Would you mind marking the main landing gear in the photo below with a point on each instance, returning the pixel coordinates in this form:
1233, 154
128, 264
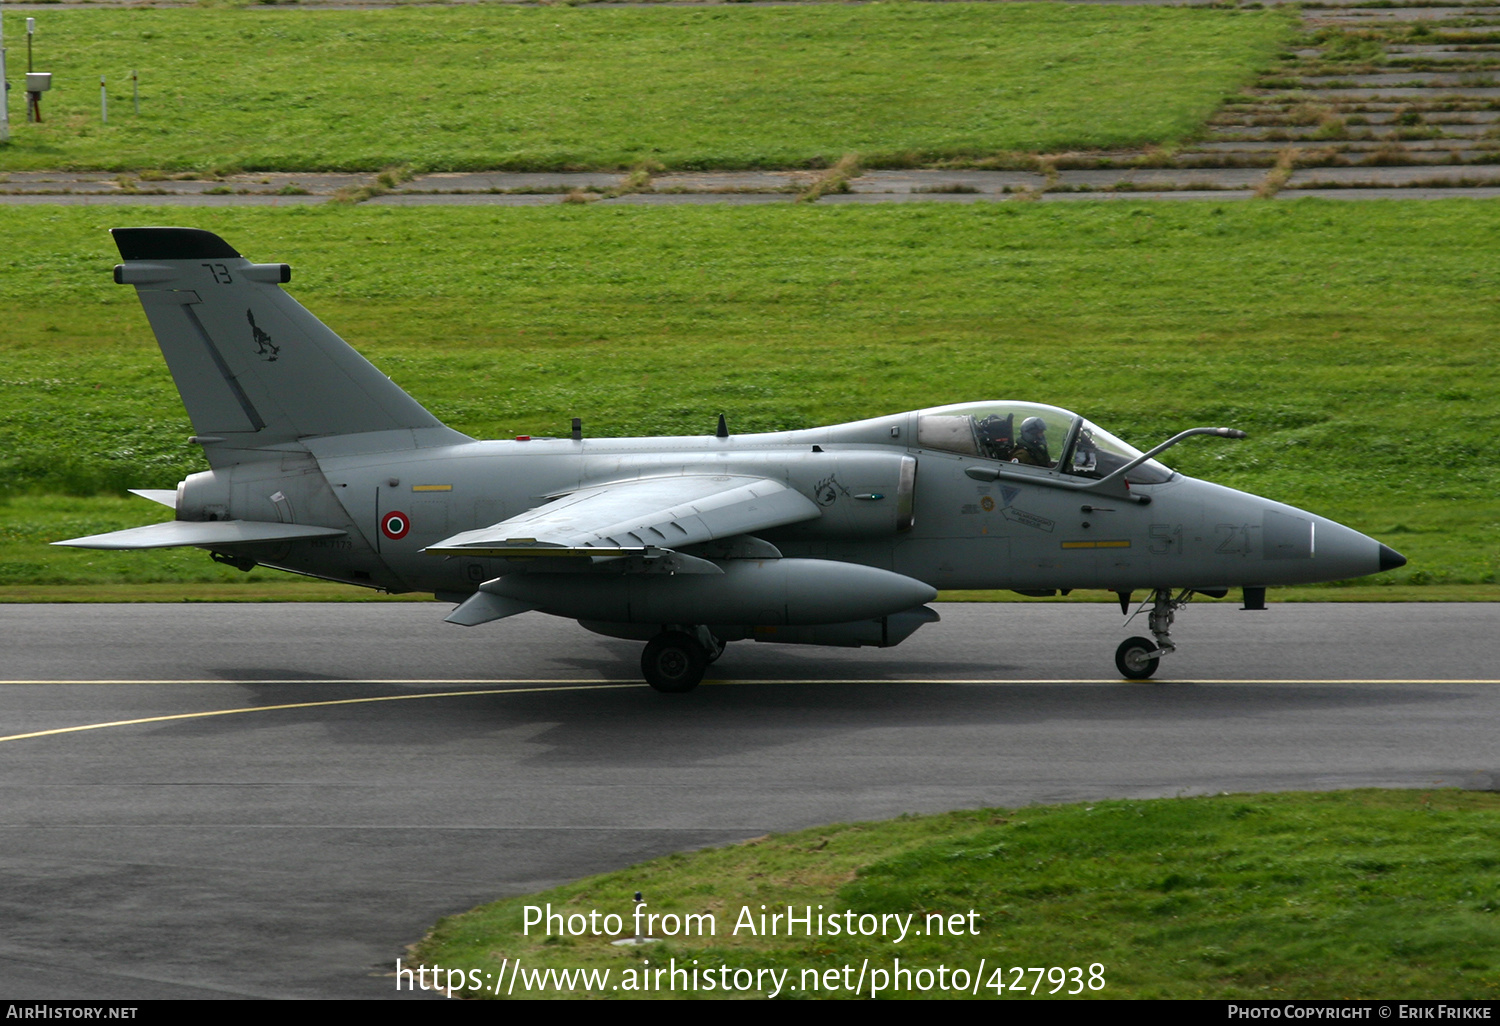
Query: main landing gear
676, 659
1137, 658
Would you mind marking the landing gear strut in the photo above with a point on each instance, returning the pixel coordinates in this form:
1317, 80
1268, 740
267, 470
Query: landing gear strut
675, 660
1137, 658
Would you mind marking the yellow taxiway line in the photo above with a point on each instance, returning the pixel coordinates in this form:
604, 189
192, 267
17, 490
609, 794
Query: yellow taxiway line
586, 682
291, 705
534, 686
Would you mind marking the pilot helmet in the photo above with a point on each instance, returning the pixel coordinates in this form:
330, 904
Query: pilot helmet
1033, 429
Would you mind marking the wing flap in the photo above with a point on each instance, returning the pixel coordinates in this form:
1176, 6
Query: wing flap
207, 532
632, 517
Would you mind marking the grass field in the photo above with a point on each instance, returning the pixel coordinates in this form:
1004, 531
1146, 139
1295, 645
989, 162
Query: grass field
1354, 342
522, 87
1362, 894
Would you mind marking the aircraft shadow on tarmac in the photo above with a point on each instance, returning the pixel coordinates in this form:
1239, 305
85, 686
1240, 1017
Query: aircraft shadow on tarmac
634, 725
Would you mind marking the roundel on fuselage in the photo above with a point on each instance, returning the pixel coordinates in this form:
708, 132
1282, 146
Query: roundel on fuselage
394, 525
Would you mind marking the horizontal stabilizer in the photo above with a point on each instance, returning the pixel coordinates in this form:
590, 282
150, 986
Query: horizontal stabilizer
165, 496
482, 607
215, 533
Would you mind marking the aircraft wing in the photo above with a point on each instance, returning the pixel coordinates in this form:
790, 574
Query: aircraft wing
630, 517
195, 532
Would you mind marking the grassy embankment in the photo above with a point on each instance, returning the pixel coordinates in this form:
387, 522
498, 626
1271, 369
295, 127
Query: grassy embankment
533, 88
1361, 894
1353, 342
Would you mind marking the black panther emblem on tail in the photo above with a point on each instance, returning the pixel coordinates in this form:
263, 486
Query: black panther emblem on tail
264, 346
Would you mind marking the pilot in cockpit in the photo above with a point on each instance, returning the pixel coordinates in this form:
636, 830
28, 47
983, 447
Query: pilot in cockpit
1031, 446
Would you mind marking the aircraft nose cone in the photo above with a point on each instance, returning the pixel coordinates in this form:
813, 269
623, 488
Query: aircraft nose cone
1390, 559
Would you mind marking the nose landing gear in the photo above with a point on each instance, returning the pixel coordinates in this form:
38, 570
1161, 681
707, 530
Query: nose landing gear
1137, 658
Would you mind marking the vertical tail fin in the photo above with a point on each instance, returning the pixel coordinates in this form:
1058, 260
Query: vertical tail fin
255, 369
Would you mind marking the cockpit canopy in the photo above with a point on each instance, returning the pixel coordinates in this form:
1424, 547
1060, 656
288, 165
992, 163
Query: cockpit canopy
1033, 435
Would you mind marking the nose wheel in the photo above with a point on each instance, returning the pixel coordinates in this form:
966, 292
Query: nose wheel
1135, 658
1138, 658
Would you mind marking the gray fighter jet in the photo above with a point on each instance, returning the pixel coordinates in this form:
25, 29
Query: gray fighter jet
829, 536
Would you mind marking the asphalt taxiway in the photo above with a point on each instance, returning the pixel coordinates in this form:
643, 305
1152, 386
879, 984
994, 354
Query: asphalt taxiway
272, 800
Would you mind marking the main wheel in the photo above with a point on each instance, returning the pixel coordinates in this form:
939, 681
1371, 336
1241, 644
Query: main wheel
674, 662
1132, 658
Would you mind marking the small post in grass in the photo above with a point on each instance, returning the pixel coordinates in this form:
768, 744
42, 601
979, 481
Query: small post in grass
31, 101
103, 102
4, 90
135, 90
37, 83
